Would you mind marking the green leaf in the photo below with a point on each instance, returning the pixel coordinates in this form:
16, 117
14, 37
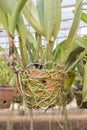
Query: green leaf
80, 56
40, 9
6, 74
31, 15
84, 91
32, 51
22, 29
8, 5
68, 81
84, 17
49, 18
58, 51
3, 18
73, 31
31, 39
73, 56
14, 16
31, 45
82, 41
57, 18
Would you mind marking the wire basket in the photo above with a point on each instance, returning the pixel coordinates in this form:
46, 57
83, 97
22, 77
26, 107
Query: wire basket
41, 88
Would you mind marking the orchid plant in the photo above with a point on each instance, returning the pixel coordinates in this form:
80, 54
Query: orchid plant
45, 18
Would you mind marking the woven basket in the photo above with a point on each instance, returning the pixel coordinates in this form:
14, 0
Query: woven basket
41, 88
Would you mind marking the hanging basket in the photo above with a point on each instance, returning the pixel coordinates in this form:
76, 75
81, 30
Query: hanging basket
6, 96
41, 88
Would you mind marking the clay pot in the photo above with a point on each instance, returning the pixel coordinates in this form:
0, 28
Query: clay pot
6, 96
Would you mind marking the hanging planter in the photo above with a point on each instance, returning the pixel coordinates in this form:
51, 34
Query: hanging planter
6, 96
42, 88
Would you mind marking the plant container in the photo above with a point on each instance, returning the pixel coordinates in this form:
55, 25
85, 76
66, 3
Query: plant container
6, 96
41, 88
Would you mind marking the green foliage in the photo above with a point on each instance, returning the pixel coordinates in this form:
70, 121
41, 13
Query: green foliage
7, 77
45, 18
82, 41
3, 18
84, 92
15, 15
21, 28
84, 17
69, 81
73, 31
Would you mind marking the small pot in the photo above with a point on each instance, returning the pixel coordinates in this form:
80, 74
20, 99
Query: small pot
6, 96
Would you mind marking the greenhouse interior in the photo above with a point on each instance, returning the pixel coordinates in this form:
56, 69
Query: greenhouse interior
43, 65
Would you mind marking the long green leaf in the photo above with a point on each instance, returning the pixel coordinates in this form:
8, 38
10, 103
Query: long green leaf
58, 51
82, 54
31, 39
84, 17
49, 17
31, 51
49, 12
31, 45
15, 15
73, 56
57, 18
40, 9
52, 20
72, 34
8, 5
3, 18
8, 8
21, 28
82, 41
22, 31
84, 92
31, 15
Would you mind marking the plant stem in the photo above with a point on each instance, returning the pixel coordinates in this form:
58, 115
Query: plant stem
24, 55
46, 56
11, 49
39, 45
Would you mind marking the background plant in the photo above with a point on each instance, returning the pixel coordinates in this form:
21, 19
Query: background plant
7, 77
